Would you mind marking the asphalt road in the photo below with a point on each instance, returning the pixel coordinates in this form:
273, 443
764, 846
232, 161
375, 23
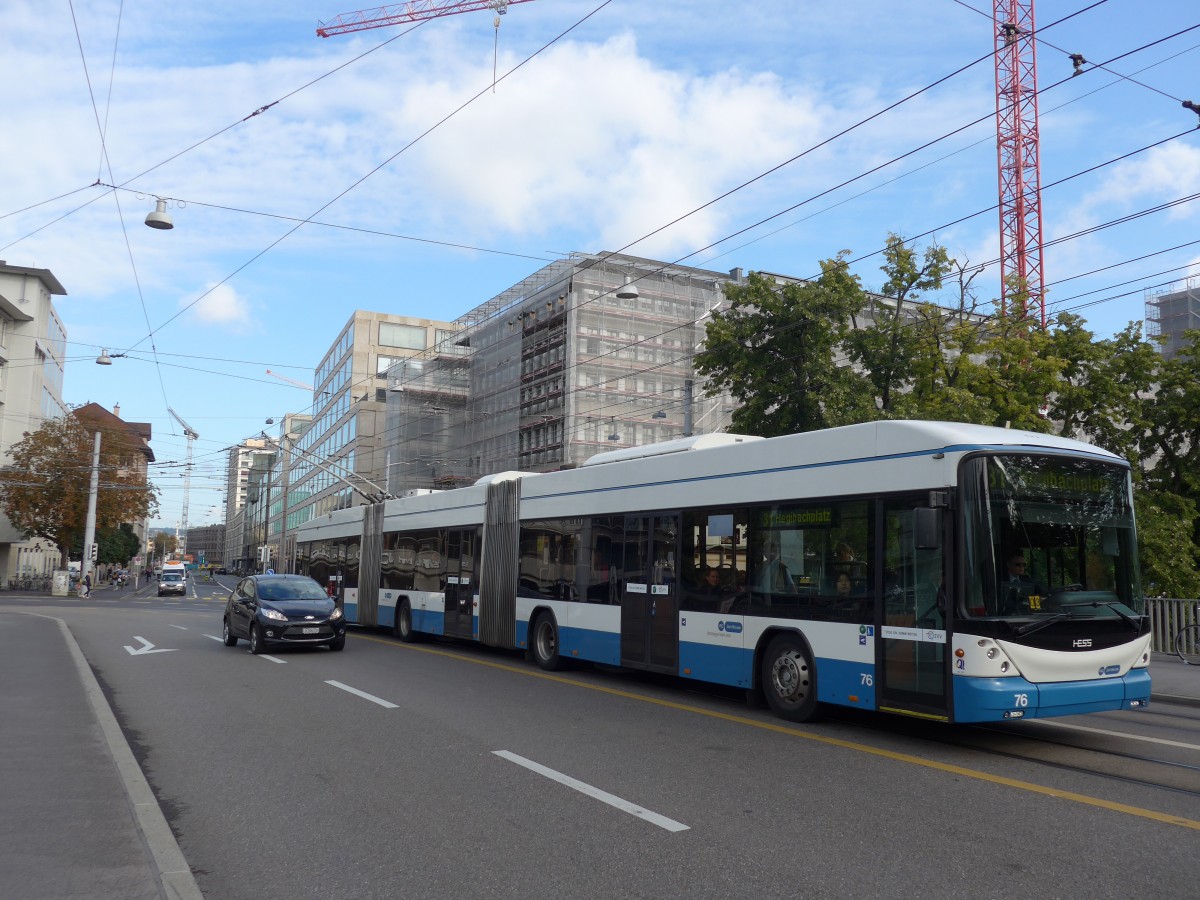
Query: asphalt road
445, 770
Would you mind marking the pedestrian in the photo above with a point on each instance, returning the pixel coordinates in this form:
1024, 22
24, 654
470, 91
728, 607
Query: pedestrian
87, 585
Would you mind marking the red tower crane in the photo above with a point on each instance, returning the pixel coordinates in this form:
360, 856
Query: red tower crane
413, 11
1020, 173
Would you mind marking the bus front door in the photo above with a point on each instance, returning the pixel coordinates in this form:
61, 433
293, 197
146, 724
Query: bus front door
911, 667
650, 593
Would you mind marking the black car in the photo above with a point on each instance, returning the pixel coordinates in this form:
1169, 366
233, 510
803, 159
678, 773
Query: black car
282, 609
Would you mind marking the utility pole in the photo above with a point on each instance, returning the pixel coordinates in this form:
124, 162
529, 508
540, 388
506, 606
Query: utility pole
89, 528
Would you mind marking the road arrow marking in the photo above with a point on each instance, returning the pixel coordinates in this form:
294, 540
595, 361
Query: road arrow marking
146, 648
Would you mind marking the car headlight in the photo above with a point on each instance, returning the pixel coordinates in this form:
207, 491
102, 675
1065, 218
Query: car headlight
273, 614
336, 614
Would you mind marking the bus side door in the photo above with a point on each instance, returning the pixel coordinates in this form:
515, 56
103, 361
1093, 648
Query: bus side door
650, 593
459, 582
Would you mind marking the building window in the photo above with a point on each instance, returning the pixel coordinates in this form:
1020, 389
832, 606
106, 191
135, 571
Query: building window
406, 337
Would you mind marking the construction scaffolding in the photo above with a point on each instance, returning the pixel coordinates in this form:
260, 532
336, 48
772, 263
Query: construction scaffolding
1172, 311
590, 353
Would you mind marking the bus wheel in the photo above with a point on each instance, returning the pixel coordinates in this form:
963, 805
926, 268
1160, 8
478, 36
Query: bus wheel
545, 643
789, 679
403, 629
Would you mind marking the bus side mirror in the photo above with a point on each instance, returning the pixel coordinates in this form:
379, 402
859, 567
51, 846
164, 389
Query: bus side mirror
927, 528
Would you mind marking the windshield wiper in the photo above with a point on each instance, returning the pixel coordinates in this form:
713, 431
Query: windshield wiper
1022, 630
1135, 624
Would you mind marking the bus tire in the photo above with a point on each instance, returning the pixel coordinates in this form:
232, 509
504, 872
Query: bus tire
403, 627
789, 678
545, 643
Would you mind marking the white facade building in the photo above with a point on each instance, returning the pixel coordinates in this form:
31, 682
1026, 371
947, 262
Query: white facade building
32, 347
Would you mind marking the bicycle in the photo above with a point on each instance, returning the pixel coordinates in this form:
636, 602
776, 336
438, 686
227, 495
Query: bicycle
1187, 641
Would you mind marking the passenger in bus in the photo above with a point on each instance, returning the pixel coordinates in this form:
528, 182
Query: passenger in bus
710, 581
772, 576
844, 586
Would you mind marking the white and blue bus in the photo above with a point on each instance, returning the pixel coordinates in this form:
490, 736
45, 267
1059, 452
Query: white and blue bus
951, 572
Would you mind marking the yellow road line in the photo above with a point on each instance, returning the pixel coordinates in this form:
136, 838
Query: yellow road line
780, 728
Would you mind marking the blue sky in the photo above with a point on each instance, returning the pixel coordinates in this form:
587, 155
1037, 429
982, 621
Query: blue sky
635, 116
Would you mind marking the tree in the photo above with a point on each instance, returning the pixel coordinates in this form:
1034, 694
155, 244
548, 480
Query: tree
114, 546
44, 492
775, 350
165, 543
887, 350
1170, 557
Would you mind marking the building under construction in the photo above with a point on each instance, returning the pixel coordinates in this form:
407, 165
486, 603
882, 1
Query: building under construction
1171, 312
592, 352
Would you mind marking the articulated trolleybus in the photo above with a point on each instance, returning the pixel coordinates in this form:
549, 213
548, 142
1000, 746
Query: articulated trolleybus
953, 572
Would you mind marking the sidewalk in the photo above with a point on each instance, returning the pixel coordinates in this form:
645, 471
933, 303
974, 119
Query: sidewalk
78, 818
1173, 681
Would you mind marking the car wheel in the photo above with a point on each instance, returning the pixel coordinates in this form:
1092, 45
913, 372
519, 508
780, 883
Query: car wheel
403, 628
789, 678
227, 635
338, 643
545, 643
256, 640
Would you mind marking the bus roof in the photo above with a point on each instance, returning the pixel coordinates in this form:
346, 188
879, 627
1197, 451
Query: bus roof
679, 445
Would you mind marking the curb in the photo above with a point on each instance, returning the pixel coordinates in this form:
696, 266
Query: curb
174, 874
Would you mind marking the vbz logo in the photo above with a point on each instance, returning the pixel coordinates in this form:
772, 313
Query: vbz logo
1081, 642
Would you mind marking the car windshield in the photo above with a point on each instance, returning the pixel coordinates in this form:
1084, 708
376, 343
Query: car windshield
1049, 537
172, 576
301, 589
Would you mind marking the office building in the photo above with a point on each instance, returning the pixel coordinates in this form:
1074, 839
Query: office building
593, 352
339, 456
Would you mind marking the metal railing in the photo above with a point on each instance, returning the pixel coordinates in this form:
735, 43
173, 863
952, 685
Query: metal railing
1167, 616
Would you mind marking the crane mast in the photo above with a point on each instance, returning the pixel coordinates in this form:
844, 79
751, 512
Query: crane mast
414, 11
1018, 156
187, 479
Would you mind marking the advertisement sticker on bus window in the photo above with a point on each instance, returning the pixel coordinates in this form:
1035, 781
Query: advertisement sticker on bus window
660, 589
635, 588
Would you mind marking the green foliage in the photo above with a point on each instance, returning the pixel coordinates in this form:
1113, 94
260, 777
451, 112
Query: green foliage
44, 492
1170, 555
115, 546
800, 357
774, 350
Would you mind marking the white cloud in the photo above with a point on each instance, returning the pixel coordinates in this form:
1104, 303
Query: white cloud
1159, 175
220, 305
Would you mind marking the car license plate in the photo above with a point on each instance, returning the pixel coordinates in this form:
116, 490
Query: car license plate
310, 630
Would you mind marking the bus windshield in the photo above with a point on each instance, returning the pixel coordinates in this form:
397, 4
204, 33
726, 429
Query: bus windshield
1048, 537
